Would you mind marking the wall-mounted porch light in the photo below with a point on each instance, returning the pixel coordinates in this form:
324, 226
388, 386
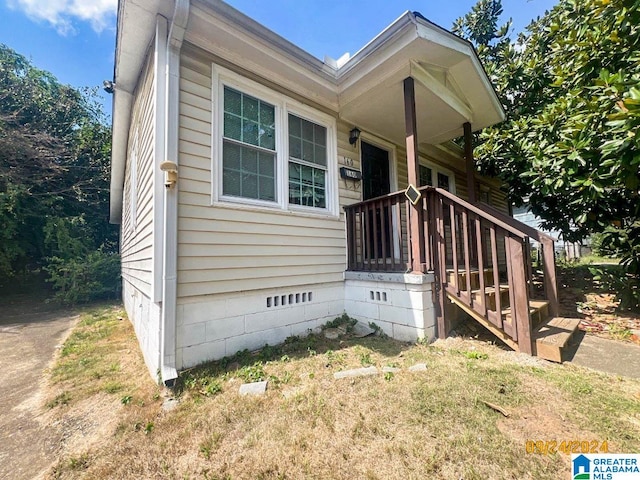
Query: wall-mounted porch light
354, 135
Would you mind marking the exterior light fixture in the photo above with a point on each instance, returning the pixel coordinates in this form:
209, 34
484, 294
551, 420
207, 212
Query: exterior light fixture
354, 135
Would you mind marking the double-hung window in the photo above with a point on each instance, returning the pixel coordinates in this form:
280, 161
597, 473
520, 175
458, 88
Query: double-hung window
269, 150
307, 163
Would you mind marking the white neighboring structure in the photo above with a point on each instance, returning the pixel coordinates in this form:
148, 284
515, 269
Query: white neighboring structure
248, 246
570, 250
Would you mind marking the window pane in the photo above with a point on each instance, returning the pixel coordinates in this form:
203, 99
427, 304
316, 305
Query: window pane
307, 185
425, 176
248, 173
266, 165
267, 189
232, 126
250, 108
307, 151
307, 130
443, 181
267, 118
250, 132
320, 135
267, 138
320, 156
231, 183
294, 172
232, 156
232, 101
294, 126
250, 186
249, 161
295, 147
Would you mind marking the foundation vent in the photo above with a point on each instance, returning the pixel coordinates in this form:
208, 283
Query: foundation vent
289, 299
376, 296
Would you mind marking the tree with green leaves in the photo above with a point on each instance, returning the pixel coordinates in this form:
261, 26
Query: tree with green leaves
54, 172
571, 88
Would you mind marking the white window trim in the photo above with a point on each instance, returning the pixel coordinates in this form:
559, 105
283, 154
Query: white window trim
435, 169
283, 105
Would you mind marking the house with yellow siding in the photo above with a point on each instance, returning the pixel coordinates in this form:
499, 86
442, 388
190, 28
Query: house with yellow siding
262, 192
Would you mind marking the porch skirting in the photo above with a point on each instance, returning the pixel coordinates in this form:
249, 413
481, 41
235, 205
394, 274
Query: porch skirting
400, 304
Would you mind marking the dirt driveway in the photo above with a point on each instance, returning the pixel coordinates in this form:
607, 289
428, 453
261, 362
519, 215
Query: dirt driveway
30, 331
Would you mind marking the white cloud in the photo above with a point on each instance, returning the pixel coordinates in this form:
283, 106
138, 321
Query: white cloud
61, 14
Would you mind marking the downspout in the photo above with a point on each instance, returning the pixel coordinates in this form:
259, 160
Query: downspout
170, 232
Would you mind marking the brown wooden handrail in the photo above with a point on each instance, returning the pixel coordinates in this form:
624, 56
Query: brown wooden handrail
477, 210
528, 229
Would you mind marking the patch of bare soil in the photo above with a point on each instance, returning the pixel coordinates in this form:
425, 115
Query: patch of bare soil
583, 297
85, 424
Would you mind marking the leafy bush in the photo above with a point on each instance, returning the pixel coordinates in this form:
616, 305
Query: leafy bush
78, 280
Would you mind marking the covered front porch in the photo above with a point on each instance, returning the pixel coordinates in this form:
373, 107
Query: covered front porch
422, 253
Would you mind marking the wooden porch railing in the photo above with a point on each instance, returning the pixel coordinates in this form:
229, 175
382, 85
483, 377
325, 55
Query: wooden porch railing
476, 253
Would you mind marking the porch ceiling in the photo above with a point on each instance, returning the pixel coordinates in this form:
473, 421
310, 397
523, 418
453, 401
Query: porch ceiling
450, 87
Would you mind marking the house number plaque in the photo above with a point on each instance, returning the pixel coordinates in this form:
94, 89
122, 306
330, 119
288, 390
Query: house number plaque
350, 174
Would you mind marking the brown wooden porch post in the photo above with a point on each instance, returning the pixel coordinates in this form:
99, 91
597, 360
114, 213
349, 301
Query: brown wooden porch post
415, 232
468, 156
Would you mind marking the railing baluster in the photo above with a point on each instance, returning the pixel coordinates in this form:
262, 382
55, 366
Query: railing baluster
349, 218
440, 247
480, 257
428, 260
384, 209
520, 305
550, 282
496, 272
467, 264
454, 247
399, 232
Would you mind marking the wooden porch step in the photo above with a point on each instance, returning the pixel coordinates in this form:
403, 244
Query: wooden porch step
553, 336
476, 295
538, 309
474, 275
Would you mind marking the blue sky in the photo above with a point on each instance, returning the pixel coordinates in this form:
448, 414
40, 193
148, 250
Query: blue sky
74, 39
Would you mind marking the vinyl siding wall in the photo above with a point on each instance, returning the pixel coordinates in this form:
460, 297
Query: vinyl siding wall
136, 242
223, 249
234, 260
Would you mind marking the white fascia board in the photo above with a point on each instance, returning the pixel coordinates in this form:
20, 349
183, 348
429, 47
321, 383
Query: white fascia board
441, 36
260, 32
122, 104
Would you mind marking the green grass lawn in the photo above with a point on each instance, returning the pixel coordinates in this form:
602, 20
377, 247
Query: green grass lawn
432, 424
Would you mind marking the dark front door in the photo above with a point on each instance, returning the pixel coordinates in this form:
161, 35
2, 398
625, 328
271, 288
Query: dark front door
375, 171
375, 183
